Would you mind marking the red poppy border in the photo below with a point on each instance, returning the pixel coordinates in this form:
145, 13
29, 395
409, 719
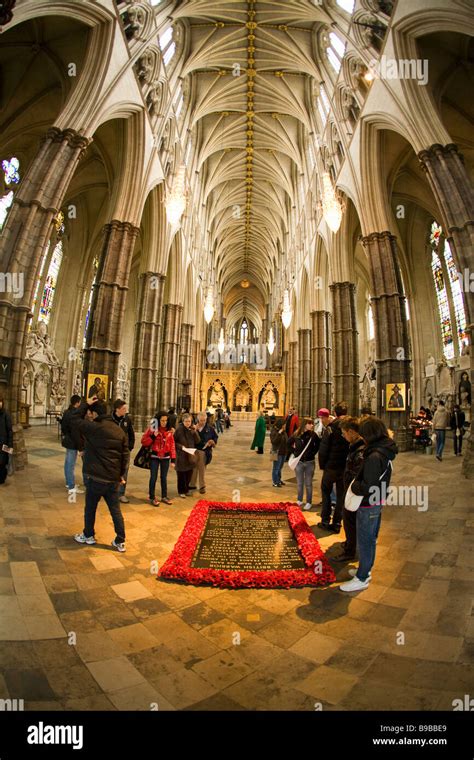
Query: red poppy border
178, 565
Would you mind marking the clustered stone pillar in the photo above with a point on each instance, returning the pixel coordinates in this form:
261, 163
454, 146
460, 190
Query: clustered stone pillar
26, 233
320, 360
185, 360
452, 188
304, 372
391, 331
146, 349
284, 367
170, 354
196, 375
104, 336
345, 345
292, 396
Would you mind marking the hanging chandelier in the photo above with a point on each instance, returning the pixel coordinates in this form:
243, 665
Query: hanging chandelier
221, 343
271, 342
176, 198
286, 314
332, 207
209, 306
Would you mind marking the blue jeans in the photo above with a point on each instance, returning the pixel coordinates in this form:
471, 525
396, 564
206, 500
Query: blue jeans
69, 464
163, 465
368, 526
94, 492
440, 439
304, 477
277, 468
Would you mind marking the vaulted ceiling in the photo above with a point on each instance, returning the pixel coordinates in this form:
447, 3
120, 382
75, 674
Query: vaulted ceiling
250, 70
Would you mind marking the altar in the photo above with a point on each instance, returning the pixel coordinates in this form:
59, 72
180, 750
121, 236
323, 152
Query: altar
244, 391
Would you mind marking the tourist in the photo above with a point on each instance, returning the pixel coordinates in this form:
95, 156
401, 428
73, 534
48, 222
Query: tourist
305, 442
291, 421
6, 439
260, 432
121, 417
208, 439
441, 421
332, 460
219, 419
163, 456
185, 436
458, 418
106, 459
72, 442
354, 461
279, 441
322, 420
172, 419
371, 483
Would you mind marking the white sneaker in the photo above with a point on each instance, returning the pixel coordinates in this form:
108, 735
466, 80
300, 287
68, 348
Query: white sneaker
82, 539
119, 547
76, 489
307, 506
300, 503
353, 570
354, 585
124, 500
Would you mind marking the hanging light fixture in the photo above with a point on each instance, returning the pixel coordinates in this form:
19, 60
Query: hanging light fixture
221, 343
271, 342
176, 197
286, 314
209, 306
332, 208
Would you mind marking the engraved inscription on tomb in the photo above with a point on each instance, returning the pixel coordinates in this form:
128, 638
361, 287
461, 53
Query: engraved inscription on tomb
241, 540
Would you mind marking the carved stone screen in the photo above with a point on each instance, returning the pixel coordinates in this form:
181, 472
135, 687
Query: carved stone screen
243, 540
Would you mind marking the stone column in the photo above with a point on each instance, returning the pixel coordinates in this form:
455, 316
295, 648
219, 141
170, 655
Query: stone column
345, 345
146, 349
452, 188
292, 377
196, 375
26, 233
304, 372
170, 354
185, 361
284, 369
392, 345
320, 360
104, 336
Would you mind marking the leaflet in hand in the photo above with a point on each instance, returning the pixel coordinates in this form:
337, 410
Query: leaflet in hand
189, 451
7, 449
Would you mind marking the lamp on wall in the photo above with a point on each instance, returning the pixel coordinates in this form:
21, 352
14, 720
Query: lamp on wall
271, 342
286, 314
209, 306
332, 207
176, 198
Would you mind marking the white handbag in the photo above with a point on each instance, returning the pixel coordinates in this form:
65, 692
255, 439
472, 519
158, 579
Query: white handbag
352, 502
293, 461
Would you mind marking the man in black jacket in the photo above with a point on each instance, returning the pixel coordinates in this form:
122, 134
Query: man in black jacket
106, 459
332, 460
6, 439
354, 462
208, 438
72, 441
122, 418
458, 418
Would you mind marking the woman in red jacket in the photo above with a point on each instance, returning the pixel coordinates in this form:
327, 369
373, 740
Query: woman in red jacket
163, 453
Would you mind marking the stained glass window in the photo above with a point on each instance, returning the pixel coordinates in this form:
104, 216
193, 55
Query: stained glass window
50, 285
89, 305
371, 325
347, 5
443, 306
335, 51
40, 274
456, 292
11, 172
323, 105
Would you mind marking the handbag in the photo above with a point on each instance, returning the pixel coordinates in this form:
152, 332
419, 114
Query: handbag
352, 501
273, 456
293, 461
143, 458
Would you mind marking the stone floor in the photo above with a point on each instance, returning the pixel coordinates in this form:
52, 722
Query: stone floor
86, 628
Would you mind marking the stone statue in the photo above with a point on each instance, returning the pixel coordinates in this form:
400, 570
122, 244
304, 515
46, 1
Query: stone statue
464, 390
39, 347
430, 366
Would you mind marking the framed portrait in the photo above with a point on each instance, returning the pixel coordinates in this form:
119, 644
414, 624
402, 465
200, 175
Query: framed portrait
395, 397
97, 385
